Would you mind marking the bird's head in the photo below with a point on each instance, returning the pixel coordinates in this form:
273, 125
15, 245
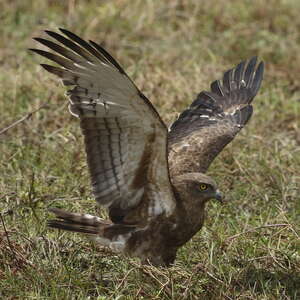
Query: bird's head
197, 187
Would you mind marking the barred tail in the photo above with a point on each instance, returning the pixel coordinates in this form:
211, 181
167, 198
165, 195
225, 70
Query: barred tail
76, 222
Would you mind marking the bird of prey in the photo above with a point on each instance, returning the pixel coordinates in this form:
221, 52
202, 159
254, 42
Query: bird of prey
150, 179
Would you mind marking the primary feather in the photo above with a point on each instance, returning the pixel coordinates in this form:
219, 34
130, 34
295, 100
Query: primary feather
214, 118
121, 129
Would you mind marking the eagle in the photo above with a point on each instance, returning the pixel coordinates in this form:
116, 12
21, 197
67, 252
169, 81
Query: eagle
151, 179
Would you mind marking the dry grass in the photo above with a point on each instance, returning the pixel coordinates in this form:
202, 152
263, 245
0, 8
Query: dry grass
172, 50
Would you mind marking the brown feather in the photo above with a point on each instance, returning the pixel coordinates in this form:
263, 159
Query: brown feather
213, 119
152, 211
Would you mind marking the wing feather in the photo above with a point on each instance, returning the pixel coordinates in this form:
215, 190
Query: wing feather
213, 119
125, 139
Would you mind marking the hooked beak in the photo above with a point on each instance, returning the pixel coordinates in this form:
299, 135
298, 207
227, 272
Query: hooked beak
218, 196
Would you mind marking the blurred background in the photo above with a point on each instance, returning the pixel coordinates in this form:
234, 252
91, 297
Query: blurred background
172, 50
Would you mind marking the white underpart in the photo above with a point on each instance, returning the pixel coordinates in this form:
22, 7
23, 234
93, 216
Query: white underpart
117, 244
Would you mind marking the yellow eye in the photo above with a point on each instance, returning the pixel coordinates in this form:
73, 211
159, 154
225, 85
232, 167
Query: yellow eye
203, 186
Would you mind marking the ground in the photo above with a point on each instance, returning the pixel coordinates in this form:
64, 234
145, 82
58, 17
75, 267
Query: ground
249, 248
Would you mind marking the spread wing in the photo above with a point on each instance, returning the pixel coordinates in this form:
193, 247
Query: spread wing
213, 119
125, 139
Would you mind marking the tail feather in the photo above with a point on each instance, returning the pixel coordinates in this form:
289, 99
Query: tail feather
85, 223
76, 222
69, 226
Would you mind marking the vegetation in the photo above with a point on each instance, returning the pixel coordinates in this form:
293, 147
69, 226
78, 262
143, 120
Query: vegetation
249, 248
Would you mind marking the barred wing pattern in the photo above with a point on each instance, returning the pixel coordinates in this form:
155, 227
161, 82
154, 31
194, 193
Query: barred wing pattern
125, 138
213, 119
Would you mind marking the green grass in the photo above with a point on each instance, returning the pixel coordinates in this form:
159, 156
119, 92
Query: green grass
172, 50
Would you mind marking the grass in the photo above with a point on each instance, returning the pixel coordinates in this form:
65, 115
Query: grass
249, 248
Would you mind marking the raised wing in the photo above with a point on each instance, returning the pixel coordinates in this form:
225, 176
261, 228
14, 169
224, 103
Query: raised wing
125, 139
213, 119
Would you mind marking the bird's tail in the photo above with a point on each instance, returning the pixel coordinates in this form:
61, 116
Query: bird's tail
101, 231
76, 222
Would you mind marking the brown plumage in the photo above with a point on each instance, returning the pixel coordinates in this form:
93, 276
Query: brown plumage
150, 179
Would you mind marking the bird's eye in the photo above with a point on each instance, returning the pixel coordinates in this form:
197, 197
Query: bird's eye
203, 187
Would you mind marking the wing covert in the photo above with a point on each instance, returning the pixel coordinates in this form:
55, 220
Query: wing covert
213, 119
125, 139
